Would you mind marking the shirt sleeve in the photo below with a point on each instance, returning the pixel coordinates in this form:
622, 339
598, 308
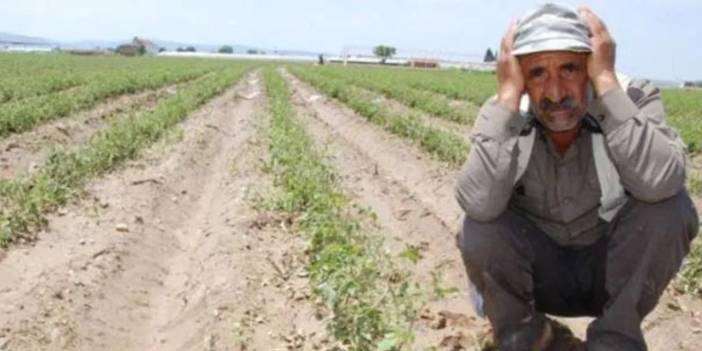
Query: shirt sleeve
484, 184
649, 155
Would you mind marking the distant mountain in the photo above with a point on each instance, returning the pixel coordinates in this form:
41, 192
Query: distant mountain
90, 44
174, 45
110, 44
18, 38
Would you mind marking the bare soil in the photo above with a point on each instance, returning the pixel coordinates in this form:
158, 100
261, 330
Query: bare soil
168, 253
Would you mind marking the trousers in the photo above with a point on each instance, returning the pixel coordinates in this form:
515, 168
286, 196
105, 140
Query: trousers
522, 274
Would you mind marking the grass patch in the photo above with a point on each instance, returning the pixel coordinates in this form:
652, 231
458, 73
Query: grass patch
694, 182
371, 303
689, 278
684, 108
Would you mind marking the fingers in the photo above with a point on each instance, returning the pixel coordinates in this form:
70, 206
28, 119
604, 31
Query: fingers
597, 27
508, 39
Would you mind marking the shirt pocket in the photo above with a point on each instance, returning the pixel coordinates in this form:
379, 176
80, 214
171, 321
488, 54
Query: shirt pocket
530, 196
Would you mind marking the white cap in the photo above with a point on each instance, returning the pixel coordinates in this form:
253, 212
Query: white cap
551, 27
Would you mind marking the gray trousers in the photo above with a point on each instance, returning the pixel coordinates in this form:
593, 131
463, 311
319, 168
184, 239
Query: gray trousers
522, 274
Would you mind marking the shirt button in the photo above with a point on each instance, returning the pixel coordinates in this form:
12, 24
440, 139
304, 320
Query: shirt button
601, 117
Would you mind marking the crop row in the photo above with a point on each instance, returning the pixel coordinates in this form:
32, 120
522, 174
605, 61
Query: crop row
430, 102
24, 75
25, 201
475, 87
370, 302
22, 115
17, 89
444, 145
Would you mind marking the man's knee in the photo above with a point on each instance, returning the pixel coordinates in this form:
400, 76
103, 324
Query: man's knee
651, 239
483, 244
480, 240
671, 220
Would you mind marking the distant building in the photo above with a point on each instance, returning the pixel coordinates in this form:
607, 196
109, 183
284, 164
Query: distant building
368, 60
423, 63
137, 47
692, 84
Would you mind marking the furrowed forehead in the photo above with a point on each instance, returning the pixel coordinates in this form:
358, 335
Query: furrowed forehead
551, 58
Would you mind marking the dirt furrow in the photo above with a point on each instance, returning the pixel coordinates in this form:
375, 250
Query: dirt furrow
429, 181
445, 320
169, 254
428, 184
25, 152
435, 122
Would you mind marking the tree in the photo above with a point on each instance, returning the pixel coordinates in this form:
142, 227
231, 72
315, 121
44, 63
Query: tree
226, 49
190, 49
252, 51
384, 52
489, 56
161, 49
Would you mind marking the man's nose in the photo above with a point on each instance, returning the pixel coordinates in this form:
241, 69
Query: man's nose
554, 90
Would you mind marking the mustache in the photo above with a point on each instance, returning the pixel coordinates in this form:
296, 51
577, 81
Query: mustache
567, 103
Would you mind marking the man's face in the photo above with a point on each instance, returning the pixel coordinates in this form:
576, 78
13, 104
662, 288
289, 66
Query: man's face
557, 86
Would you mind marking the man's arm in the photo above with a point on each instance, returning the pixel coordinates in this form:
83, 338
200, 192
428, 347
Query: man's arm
648, 154
485, 182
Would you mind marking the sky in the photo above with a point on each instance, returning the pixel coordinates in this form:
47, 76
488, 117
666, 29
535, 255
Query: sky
655, 39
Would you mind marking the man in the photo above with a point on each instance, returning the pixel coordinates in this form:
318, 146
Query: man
574, 197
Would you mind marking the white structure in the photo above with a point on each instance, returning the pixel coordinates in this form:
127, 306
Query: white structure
264, 57
16, 47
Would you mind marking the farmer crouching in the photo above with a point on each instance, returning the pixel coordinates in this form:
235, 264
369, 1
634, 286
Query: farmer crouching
573, 191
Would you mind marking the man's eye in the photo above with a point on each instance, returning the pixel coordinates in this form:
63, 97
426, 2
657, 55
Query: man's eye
536, 73
569, 70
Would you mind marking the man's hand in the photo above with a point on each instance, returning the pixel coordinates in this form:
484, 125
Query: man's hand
509, 73
600, 63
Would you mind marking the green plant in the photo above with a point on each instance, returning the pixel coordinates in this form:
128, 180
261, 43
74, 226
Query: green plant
694, 183
689, 278
371, 303
438, 288
411, 253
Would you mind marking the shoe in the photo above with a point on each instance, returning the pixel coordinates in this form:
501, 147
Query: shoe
563, 338
534, 335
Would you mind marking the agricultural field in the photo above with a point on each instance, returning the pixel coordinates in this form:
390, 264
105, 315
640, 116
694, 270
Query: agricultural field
187, 204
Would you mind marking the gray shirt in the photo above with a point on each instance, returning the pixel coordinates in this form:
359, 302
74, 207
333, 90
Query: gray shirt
561, 194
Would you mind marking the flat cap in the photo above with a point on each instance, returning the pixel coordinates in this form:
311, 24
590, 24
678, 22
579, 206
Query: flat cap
551, 27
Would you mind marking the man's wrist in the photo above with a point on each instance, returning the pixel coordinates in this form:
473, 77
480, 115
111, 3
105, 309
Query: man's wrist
509, 99
605, 82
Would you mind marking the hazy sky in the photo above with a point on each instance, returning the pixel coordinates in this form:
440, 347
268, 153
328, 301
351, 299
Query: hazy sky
656, 39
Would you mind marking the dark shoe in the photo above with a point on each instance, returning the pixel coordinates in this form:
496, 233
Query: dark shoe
535, 335
563, 339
